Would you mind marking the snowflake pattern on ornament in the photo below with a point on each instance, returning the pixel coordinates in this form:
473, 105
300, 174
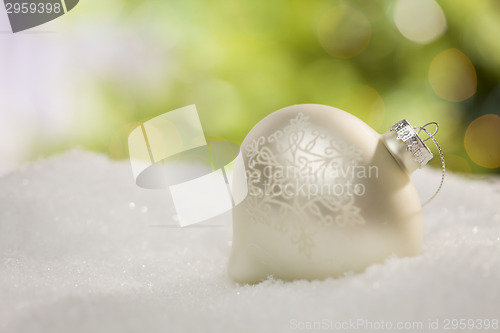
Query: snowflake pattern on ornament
315, 161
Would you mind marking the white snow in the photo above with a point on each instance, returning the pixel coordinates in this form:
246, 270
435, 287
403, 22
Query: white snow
83, 249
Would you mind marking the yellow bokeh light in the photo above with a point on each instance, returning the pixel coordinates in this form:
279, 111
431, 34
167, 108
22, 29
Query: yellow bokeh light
344, 32
482, 141
421, 21
452, 76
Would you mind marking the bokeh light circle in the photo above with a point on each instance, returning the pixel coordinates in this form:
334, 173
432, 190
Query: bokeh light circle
344, 32
482, 141
452, 76
421, 21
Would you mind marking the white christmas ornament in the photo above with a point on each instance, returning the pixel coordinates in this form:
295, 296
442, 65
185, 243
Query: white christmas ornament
326, 195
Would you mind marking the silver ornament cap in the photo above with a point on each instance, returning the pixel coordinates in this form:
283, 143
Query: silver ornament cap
406, 146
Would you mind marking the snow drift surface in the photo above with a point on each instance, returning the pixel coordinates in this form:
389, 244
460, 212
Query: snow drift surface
83, 249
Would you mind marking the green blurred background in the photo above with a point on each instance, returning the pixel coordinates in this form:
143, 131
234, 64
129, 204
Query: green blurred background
238, 61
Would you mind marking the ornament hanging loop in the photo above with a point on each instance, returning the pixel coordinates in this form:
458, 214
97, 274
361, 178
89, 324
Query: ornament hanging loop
420, 128
443, 167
